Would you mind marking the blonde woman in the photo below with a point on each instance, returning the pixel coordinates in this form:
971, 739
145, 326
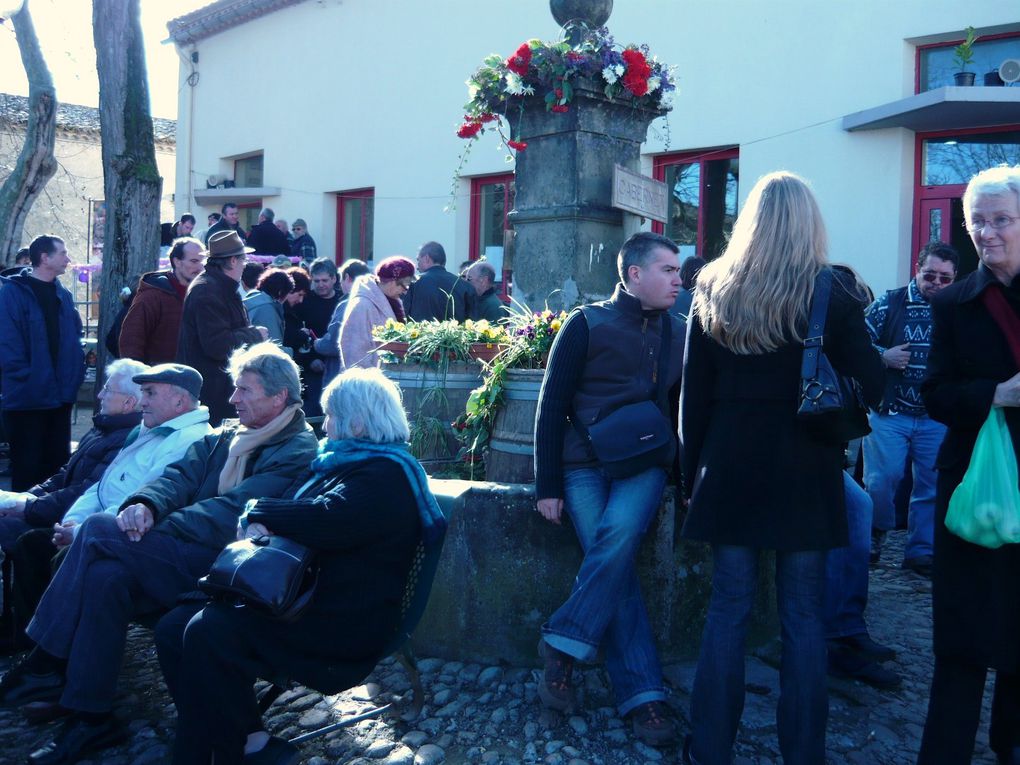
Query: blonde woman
757, 479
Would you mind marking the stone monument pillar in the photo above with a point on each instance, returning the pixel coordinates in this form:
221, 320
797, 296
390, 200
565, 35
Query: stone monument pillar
567, 233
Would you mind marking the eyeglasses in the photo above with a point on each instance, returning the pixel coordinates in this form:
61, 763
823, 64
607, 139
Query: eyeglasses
999, 221
931, 277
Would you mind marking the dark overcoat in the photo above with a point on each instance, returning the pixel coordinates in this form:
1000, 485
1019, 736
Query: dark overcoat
213, 325
756, 475
438, 295
975, 591
365, 548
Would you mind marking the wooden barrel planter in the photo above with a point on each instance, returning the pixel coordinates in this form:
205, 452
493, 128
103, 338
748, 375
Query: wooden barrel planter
511, 457
429, 393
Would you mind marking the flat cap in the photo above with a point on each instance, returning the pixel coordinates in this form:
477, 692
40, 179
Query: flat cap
173, 374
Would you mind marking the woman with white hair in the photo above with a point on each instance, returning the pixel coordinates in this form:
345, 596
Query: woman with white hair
758, 476
363, 509
972, 369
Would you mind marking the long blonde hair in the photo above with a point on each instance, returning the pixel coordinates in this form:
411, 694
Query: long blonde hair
756, 296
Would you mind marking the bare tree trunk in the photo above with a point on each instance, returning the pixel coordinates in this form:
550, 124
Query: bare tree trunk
131, 178
36, 164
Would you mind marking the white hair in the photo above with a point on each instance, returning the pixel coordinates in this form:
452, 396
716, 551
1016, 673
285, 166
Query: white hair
274, 368
364, 403
994, 181
123, 370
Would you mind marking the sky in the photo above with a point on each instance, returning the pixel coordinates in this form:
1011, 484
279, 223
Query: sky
64, 28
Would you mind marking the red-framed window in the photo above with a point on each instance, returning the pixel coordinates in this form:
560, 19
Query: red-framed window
492, 198
935, 68
355, 217
944, 163
703, 191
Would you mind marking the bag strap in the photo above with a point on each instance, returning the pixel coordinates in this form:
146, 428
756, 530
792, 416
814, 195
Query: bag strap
665, 348
1005, 317
816, 324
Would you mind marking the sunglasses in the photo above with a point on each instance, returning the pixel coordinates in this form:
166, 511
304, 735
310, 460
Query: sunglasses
931, 278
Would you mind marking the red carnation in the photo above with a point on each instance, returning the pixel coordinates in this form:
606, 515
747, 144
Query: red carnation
519, 62
635, 79
517, 145
487, 117
560, 108
469, 129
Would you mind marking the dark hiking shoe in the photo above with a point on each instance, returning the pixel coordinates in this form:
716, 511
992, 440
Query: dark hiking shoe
866, 647
556, 688
20, 686
877, 540
653, 724
77, 738
847, 663
921, 565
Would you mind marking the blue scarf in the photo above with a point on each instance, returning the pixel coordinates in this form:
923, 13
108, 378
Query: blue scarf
334, 454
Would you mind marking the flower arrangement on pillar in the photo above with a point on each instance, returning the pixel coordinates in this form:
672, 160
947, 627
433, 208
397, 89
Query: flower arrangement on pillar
549, 72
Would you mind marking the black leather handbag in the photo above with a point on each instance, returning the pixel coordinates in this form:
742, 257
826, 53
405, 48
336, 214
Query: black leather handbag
831, 404
636, 436
270, 574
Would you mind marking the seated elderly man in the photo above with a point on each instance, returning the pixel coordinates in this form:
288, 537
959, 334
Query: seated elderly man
45, 504
172, 420
165, 537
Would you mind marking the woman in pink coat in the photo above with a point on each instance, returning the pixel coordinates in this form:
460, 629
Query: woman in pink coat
374, 299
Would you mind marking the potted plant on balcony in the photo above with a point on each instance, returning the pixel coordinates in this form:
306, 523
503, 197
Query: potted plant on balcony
963, 56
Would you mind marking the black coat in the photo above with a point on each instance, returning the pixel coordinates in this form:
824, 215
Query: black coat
214, 324
757, 477
437, 294
95, 451
363, 521
267, 239
975, 591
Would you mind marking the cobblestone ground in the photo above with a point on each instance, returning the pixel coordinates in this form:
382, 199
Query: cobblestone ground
490, 715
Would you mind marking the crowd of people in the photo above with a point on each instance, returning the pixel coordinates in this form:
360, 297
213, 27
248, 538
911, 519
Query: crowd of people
202, 437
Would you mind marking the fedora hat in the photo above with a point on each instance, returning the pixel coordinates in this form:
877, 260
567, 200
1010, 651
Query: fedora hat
227, 244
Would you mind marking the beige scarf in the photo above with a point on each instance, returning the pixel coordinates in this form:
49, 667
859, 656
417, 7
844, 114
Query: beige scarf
247, 440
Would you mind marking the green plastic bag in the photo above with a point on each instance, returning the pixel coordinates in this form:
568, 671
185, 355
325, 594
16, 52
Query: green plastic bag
985, 508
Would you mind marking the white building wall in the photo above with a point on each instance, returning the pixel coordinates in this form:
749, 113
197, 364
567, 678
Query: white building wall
346, 94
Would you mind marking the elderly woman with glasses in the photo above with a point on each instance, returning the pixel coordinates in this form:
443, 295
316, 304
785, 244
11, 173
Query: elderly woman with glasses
972, 368
374, 299
364, 547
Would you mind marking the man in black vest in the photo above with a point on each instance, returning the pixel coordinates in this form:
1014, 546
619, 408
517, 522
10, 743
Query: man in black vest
607, 355
900, 326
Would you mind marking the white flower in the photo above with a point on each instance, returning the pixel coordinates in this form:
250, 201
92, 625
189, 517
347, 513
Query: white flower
609, 75
653, 83
515, 85
666, 99
619, 70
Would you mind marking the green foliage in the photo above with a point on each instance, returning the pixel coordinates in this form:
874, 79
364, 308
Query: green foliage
963, 54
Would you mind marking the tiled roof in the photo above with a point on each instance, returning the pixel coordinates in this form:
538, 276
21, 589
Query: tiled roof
220, 16
77, 119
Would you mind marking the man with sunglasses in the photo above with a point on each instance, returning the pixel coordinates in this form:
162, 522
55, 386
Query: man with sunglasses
900, 324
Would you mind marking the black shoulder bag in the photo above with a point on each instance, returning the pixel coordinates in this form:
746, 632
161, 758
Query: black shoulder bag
831, 404
636, 436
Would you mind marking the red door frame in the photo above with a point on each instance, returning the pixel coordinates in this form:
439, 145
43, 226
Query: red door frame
926, 197
661, 161
342, 196
249, 206
475, 215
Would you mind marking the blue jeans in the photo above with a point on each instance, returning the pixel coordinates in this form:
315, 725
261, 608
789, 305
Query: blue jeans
605, 606
104, 581
846, 569
717, 700
894, 438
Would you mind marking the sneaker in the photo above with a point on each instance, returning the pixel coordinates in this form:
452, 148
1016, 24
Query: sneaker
653, 724
921, 565
20, 686
847, 663
556, 690
866, 647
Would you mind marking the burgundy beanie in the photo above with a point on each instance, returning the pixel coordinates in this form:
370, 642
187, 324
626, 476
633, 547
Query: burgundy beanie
394, 268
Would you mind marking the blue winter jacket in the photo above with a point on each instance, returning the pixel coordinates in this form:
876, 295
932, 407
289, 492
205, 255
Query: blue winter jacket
29, 380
